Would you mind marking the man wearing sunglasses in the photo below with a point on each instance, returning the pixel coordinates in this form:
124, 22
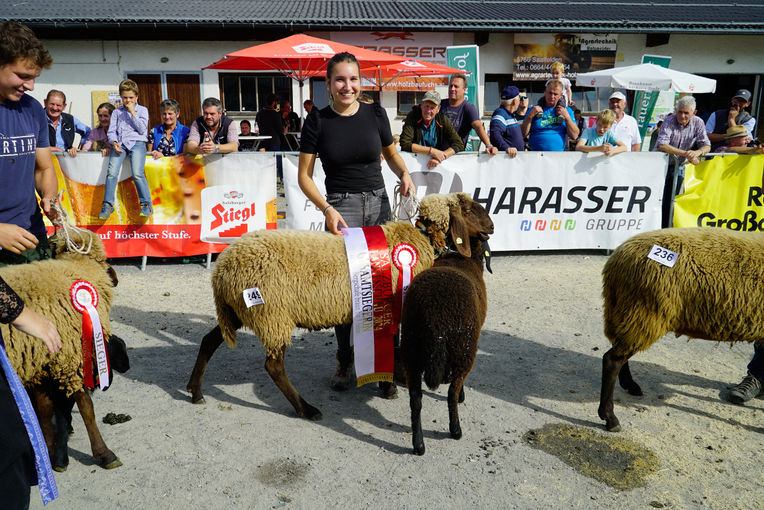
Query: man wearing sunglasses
523, 108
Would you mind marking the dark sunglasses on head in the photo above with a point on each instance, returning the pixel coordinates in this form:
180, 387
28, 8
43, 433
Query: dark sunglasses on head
523, 97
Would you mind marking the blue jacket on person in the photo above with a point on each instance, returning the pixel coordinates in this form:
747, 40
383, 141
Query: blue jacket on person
179, 136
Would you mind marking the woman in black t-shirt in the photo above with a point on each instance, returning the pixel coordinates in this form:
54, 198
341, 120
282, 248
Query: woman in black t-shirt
349, 137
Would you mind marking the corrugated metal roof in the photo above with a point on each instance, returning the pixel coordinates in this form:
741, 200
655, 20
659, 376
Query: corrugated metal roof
697, 16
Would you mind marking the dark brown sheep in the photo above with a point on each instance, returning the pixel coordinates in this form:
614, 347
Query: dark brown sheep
443, 313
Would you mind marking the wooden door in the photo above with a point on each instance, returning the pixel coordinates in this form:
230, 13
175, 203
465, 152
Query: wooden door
149, 94
185, 89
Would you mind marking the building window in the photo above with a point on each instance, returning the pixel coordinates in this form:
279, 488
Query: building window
406, 100
493, 85
248, 92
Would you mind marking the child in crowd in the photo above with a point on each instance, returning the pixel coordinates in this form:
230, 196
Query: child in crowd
98, 139
600, 138
127, 136
558, 73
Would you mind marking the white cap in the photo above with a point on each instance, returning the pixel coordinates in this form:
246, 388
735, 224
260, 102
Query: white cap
617, 95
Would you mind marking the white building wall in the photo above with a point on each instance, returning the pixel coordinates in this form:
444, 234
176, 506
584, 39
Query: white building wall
83, 66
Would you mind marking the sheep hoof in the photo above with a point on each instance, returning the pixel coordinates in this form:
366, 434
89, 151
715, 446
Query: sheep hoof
311, 413
613, 425
419, 449
113, 464
389, 390
59, 469
635, 390
456, 432
198, 399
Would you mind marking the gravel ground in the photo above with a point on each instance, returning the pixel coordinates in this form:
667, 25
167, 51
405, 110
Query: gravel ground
532, 438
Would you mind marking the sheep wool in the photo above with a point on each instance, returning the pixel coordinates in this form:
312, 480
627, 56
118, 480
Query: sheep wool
44, 287
715, 290
303, 278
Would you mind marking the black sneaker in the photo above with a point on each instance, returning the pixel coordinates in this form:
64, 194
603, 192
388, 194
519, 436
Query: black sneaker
749, 388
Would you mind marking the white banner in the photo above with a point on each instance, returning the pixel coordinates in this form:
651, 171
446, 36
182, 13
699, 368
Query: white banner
239, 187
538, 200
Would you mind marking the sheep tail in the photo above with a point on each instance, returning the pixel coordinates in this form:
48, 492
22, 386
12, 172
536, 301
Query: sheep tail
435, 362
228, 322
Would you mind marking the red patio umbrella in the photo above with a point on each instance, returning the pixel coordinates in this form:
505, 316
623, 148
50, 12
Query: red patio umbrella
299, 56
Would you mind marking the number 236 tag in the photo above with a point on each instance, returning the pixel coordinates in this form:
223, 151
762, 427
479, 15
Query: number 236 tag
663, 256
253, 297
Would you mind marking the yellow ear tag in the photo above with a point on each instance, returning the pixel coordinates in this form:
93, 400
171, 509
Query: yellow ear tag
458, 240
487, 254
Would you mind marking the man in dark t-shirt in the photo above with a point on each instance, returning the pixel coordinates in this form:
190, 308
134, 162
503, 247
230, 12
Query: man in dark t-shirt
25, 161
269, 124
463, 114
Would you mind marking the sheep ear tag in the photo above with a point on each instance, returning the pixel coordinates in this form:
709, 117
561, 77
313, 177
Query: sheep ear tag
405, 258
85, 299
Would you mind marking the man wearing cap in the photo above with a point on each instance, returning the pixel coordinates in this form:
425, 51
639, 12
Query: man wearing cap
506, 128
548, 127
735, 115
463, 114
625, 126
427, 131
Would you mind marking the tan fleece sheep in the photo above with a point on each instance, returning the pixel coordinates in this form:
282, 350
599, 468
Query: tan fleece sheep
714, 291
44, 286
304, 280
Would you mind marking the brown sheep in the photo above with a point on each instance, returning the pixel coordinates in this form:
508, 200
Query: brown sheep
443, 313
714, 291
44, 286
304, 280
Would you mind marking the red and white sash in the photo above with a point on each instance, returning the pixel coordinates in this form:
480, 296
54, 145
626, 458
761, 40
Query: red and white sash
85, 299
371, 290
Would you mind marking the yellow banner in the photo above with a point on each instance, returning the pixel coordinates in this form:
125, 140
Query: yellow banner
725, 192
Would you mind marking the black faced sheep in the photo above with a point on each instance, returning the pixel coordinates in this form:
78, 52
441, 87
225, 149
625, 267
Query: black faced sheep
304, 280
45, 286
713, 291
443, 313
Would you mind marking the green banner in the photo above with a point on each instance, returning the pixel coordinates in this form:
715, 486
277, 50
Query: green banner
644, 101
465, 58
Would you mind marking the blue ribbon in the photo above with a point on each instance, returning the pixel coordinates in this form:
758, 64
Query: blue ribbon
45, 480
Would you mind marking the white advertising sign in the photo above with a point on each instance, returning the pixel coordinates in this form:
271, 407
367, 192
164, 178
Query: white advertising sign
234, 201
538, 200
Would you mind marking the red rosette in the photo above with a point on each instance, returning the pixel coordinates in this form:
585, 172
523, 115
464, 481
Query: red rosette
83, 294
405, 258
405, 254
